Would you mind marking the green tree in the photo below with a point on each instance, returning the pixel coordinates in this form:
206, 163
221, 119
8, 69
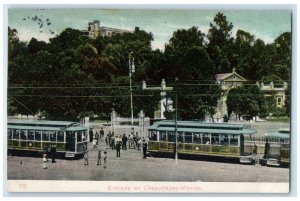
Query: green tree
220, 45
247, 101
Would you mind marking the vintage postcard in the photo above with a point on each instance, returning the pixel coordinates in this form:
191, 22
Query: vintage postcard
148, 100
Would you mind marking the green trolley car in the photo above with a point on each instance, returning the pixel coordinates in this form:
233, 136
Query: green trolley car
69, 138
277, 148
198, 138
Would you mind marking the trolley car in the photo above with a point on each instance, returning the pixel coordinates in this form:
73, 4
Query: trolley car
198, 138
69, 138
277, 148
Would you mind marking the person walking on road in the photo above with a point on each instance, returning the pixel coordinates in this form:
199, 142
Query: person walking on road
145, 145
101, 133
124, 140
44, 161
112, 141
99, 158
105, 159
53, 153
118, 148
91, 133
86, 158
97, 136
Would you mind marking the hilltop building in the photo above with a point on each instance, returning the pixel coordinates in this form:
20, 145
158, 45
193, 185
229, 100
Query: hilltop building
95, 30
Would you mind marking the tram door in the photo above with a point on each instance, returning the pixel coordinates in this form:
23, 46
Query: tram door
70, 140
242, 151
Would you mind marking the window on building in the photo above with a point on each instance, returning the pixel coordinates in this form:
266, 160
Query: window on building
234, 140
206, 139
171, 136
30, 135
180, 137
279, 101
215, 139
45, 135
79, 136
24, 134
197, 138
188, 138
152, 135
60, 136
38, 135
16, 134
163, 136
224, 140
52, 136
9, 134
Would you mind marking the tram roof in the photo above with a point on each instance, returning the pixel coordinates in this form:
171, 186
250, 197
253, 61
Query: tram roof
45, 128
281, 133
40, 122
201, 127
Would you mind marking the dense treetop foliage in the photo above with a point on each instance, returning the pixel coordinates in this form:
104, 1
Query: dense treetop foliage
73, 75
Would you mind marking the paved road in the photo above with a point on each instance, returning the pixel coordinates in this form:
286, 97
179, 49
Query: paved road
132, 167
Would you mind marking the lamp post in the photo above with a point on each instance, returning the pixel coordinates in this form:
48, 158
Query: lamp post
176, 137
131, 70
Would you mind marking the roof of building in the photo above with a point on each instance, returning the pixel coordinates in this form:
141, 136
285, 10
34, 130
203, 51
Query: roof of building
114, 29
41, 123
223, 76
283, 133
201, 127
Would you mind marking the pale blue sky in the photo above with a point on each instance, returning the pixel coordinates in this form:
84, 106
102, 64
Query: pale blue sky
264, 24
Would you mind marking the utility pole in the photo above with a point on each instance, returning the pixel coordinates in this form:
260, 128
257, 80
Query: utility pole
131, 71
176, 137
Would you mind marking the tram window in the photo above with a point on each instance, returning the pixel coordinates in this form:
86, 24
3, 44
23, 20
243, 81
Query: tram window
215, 139
152, 135
197, 138
180, 137
224, 140
16, 134
234, 140
9, 134
206, 139
52, 136
30, 135
45, 135
84, 136
171, 137
162, 136
188, 138
60, 136
79, 136
38, 135
24, 134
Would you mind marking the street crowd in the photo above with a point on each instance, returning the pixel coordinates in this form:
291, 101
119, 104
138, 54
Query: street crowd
112, 142
115, 142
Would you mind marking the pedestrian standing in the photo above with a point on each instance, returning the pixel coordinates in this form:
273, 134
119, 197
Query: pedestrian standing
124, 140
99, 158
112, 141
118, 148
46, 150
106, 140
44, 161
105, 159
53, 153
91, 133
145, 148
94, 143
97, 136
86, 158
109, 138
101, 132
